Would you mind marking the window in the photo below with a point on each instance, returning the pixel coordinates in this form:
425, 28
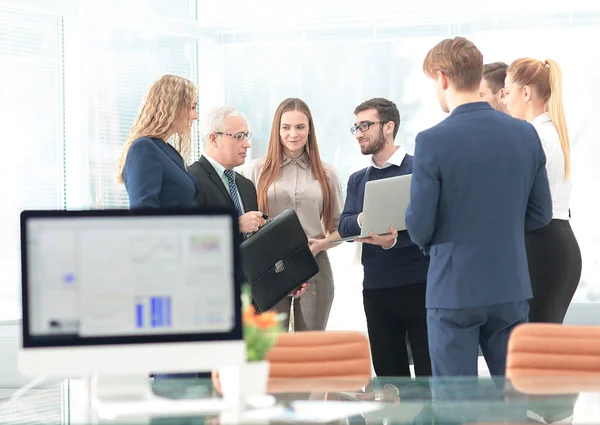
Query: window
363, 68
338, 60
73, 75
72, 81
122, 66
31, 112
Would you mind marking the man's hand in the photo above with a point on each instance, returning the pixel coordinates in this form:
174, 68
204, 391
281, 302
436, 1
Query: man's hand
251, 221
298, 292
388, 394
385, 241
315, 245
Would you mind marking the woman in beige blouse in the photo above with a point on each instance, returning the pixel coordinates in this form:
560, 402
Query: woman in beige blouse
293, 176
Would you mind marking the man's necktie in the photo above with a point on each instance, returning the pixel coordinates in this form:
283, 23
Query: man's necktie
233, 191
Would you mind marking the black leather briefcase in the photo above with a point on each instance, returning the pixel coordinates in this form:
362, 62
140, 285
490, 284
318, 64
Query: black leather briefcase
277, 260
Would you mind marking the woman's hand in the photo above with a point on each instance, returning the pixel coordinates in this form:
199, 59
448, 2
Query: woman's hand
315, 245
298, 292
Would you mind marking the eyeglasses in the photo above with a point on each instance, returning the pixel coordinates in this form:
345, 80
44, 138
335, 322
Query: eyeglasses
364, 126
237, 136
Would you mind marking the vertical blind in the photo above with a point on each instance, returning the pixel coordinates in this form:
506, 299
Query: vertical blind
124, 63
31, 168
37, 407
119, 64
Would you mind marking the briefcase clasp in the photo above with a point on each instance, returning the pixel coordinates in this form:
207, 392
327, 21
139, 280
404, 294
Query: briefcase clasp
279, 266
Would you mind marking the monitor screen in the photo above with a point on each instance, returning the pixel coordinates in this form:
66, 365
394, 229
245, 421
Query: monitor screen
118, 277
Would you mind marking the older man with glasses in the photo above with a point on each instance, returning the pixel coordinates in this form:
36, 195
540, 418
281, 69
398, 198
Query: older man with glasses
226, 142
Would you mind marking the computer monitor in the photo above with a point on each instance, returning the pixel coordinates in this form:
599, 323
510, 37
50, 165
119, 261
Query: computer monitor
130, 292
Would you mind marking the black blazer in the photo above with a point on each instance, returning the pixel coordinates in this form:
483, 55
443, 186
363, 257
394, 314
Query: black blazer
213, 193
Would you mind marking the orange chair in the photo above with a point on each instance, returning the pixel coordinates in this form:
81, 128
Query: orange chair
546, 358
320, 361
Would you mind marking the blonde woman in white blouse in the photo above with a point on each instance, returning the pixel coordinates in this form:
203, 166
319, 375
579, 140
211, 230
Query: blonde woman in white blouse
533, 92
292, 175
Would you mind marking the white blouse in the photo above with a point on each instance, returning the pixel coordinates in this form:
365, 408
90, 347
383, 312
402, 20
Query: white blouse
560, 188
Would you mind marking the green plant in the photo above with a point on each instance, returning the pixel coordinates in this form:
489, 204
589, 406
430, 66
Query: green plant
260, 329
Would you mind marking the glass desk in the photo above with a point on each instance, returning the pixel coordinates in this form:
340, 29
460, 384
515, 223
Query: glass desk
382, 401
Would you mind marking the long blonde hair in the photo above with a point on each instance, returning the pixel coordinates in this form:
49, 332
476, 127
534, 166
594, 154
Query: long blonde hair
546, 79
271, 168
165, 101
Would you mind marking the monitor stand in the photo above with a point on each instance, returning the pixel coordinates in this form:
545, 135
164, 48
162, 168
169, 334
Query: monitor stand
118, 396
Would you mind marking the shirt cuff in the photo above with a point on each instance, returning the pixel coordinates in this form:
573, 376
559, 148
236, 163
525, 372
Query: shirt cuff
393, 245
358, 220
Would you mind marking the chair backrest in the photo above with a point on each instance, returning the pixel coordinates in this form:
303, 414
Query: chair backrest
546, 349
546, 358
320, 355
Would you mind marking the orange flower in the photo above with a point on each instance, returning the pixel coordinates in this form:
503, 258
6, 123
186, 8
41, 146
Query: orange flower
266, 320
249, 315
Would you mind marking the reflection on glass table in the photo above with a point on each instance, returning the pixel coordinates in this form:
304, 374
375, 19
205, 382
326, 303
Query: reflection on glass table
382, 401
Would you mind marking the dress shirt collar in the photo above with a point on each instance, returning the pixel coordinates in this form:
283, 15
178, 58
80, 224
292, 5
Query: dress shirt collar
216, 165
396, 159
545, 117
302, 161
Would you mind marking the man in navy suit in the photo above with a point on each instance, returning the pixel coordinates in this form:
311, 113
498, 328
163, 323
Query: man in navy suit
479, 183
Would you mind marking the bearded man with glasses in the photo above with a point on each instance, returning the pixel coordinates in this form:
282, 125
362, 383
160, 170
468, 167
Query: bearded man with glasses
395, 269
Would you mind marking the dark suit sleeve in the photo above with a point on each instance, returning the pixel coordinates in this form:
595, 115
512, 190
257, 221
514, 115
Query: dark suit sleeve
248, 193
421, 214
143, 173
539, 205
403, 240
349, 218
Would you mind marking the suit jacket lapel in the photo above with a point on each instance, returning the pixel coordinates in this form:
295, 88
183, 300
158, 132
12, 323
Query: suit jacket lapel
248, 198
214, 176
172, 153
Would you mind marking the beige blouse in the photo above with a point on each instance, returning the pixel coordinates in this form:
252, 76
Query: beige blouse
297, 188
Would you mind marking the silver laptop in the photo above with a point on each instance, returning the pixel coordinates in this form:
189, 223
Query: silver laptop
384, 205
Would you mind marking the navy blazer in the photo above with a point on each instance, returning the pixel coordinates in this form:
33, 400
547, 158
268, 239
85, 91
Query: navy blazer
155, 176
479, 183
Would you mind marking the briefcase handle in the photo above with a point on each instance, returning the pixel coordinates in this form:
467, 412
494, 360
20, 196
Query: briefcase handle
267, 221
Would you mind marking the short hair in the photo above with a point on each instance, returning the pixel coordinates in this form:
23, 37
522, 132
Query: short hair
495, 74
215, 120
457, 58
386, 109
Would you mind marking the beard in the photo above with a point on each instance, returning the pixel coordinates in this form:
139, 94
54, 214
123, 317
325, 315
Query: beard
375, 145
498, 105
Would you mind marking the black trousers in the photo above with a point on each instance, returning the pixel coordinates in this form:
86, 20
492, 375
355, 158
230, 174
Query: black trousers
554, 262
554, 268
393, 316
